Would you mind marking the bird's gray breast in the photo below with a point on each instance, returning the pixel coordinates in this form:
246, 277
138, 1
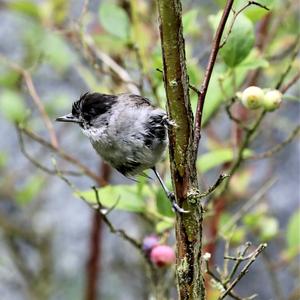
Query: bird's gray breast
131, 140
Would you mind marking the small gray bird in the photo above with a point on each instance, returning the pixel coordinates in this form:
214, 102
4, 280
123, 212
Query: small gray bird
126, 130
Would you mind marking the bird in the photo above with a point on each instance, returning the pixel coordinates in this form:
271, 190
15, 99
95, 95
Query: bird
126, 130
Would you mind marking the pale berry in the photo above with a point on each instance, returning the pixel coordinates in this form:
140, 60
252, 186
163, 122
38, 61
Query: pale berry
252, 97
272, 100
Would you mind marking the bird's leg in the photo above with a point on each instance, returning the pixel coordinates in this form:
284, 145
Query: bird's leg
169, 194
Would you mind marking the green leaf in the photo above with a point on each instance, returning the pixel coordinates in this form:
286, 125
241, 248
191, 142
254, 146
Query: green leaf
163, 204
214, 97
240, 40
114, 20
31, 189
253, 61
216, 158
292, 233
12, 106
239, 43
125, 197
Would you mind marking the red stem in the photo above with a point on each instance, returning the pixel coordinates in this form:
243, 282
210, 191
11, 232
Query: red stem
208, 73
93, 263
92, 267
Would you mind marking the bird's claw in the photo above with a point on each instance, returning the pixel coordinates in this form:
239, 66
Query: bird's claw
175, 206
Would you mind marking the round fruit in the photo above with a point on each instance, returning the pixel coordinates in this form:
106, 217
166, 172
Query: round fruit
272, 100
252, 97
162, 255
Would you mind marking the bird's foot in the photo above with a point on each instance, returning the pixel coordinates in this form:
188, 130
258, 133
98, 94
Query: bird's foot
169, 123
175, 206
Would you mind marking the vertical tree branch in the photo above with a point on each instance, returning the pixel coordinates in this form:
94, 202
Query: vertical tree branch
188, 226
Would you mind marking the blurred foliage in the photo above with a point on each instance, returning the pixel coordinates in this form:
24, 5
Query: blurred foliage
125, 197
30, 190
263, 225
217, 158
235, 235
114, 20
292, 234
12, 105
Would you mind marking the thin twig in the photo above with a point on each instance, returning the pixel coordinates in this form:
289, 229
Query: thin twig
283, 53
99, 207
275, 281
63, 154
244, 271
36, 162
113, 65
278, 147
141, 67
240, 156
290, 83
246, 141
251, 131
239, 259
192, 87
83, 12
119, 232
35, 97
248, 205
211, 62
289, 66
217, 279
239, 122
235, 15
214, 186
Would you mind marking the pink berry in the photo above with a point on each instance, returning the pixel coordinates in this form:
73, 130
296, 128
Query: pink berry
150, 242
162, 255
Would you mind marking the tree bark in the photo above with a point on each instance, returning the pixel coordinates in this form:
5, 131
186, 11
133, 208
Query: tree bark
183, 170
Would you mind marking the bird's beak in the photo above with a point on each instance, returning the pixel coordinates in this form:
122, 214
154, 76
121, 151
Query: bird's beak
68, 118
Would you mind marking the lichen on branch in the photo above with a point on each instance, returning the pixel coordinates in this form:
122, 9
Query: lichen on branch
184, 176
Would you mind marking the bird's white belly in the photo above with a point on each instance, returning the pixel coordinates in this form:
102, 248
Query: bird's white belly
128, 152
